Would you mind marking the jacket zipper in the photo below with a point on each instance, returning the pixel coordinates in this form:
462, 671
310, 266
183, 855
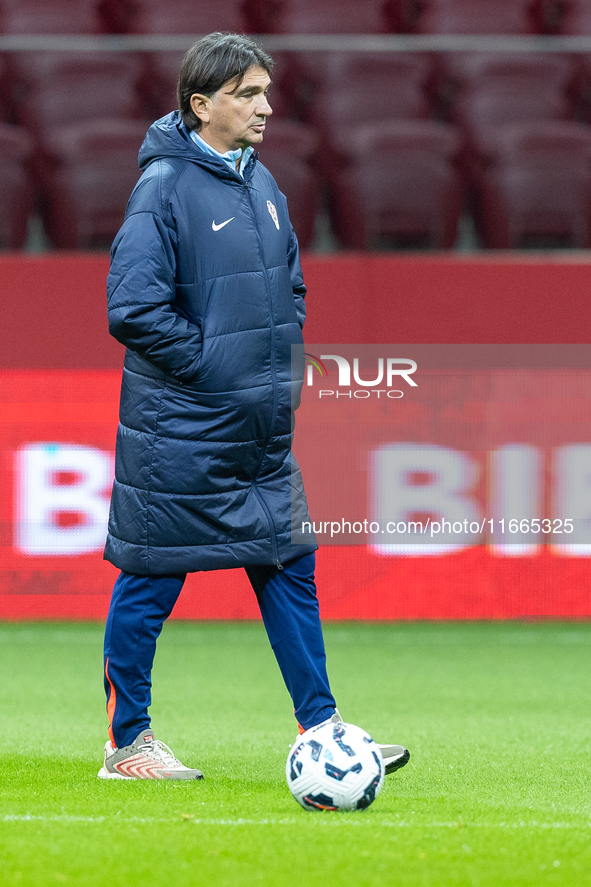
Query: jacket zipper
265, 507
274, 545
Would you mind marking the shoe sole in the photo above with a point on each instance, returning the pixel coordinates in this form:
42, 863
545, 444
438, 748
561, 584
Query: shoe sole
391, 765
106, 774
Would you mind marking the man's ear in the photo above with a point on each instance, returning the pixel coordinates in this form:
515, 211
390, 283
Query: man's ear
200, 105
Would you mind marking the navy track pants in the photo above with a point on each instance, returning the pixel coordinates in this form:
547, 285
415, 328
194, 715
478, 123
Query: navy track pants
289, 607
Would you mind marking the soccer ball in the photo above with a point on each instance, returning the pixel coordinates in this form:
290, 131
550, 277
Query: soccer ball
335, 767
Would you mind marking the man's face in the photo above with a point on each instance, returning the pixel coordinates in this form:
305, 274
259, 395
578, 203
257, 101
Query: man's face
234, 117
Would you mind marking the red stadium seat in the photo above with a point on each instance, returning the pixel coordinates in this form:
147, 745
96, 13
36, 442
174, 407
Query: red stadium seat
582, 88
288, 93
158, 84
576, 17
94, 168
6, 104
289, 151
476, 17
50, 17
399, 185
537, 187
357, 88
497, 90
56, 89
474, 70
15, 186
187, 16
327, 16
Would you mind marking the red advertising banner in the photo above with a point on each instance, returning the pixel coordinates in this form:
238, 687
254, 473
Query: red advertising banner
493, 445
54, 306
57, 438
502, 457
467, 496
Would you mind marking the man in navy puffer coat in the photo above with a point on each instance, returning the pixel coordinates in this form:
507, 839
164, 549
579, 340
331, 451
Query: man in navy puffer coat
206, 292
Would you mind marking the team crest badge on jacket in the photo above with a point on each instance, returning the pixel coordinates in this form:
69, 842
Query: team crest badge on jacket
273, 213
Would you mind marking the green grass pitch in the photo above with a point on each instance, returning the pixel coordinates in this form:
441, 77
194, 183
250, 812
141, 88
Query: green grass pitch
497, 792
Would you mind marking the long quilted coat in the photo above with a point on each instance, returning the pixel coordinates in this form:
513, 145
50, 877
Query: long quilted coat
206, 292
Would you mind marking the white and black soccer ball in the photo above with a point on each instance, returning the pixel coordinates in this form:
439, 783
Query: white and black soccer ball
335, 767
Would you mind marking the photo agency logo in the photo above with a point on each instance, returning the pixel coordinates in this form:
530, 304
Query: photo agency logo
355, 378
493, 448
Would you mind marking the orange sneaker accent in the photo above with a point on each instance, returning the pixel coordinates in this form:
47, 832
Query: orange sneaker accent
300, 728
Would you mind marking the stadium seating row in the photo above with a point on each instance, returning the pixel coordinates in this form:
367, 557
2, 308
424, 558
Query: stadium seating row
396, 146
392, 184
43, 90
295, 16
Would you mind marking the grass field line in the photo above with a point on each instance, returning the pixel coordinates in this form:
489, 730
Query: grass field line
497, 717
331, 822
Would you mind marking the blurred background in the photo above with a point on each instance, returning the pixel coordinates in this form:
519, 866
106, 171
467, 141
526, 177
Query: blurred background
436, 157
398, 124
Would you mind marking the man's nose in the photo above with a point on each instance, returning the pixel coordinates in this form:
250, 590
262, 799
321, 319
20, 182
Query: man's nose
264, 109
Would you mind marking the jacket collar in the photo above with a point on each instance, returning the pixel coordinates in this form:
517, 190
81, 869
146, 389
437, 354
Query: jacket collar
170, 138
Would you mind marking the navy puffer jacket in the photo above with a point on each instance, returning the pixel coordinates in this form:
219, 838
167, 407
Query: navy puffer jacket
206, 292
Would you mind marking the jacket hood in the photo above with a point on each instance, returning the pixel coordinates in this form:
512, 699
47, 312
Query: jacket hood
169, 137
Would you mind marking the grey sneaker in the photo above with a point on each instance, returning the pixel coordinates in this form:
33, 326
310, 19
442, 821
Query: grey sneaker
145, 758
395, 756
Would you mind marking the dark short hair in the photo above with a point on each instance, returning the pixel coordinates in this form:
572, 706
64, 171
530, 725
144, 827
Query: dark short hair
211, 62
